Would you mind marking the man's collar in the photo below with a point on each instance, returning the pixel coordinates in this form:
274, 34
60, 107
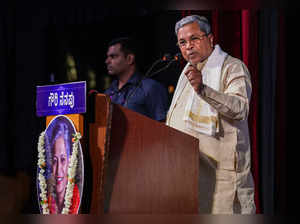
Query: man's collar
134, 80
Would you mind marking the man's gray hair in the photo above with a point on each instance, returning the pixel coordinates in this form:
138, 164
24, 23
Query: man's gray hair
201, 20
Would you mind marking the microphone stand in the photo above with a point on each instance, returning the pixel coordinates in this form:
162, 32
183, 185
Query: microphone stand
153, 65
164, 68
176, 58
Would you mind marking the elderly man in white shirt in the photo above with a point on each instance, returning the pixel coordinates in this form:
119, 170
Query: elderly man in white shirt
211, 103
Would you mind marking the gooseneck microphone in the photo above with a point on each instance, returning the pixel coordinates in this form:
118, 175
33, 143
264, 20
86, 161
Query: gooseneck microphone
166, 58
176, 57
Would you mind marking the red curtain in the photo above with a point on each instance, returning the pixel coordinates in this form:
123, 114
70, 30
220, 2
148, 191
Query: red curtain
250, 58
236, 32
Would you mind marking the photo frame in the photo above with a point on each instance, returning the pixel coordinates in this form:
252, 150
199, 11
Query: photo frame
60, 169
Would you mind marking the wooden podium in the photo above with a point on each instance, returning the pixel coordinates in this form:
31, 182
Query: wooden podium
140, 166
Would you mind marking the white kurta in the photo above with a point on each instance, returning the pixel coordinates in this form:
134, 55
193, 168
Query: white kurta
228, 151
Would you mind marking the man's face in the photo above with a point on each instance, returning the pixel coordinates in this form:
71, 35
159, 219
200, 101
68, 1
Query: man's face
116, 62
194, 45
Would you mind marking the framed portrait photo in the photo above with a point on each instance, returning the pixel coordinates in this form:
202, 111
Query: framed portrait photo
60, 168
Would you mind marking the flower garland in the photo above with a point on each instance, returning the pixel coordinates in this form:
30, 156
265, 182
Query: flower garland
41, 177
71, 173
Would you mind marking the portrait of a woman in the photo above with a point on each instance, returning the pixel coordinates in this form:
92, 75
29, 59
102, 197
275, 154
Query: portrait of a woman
58, 140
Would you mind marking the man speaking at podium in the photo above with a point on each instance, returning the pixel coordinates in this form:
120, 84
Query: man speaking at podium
211, 103
145, 96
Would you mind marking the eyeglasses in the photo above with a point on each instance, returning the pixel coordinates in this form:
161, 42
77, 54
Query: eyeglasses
192, 40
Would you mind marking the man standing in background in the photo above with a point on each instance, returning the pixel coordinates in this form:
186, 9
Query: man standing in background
130, 89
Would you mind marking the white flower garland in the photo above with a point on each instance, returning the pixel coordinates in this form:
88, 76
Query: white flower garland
41, 177
71, 173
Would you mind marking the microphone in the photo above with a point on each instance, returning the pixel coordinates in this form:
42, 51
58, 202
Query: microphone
176, 57
165, 57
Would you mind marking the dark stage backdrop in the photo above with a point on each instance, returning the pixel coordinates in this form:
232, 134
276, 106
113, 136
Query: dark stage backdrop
41, 44
7, 89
